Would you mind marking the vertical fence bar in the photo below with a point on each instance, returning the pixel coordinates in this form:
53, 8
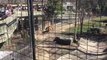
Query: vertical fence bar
31, 24
75, 30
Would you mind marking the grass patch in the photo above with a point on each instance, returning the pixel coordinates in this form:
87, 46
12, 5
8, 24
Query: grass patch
102, 18
87, 25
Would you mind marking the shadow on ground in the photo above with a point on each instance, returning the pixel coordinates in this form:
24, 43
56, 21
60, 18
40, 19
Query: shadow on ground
89, 36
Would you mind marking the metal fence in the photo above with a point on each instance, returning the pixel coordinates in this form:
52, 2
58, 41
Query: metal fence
54, 30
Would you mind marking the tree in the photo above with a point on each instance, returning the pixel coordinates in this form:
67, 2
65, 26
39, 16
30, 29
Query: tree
84, 6
97, 7
52, 9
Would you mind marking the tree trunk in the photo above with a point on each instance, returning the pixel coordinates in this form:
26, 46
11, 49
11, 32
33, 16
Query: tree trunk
81, 21
81, 25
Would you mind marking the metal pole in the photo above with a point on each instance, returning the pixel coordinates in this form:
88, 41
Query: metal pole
31, 24
75, 30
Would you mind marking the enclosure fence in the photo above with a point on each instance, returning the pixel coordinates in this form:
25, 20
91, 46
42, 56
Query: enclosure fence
53, 30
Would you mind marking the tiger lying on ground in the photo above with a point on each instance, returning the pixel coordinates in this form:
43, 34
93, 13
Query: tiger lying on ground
47, 29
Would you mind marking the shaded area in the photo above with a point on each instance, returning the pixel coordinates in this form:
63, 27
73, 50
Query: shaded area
1, 44
89, 36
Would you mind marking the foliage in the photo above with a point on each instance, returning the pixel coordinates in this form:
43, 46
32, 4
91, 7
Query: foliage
54, 7
86, 25
95, 6
84, 5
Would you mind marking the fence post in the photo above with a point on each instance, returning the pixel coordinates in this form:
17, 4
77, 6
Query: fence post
31, 25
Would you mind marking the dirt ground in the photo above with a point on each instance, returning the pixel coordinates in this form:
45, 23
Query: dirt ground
48, 50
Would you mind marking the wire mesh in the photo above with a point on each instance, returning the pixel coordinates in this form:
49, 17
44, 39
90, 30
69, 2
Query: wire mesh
15, 42
63, 30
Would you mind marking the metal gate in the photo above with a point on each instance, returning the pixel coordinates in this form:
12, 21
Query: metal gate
53, 30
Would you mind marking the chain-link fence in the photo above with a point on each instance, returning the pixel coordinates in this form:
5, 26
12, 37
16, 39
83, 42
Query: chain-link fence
53, 30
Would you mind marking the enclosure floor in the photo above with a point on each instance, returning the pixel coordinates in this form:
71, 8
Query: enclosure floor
48, 50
